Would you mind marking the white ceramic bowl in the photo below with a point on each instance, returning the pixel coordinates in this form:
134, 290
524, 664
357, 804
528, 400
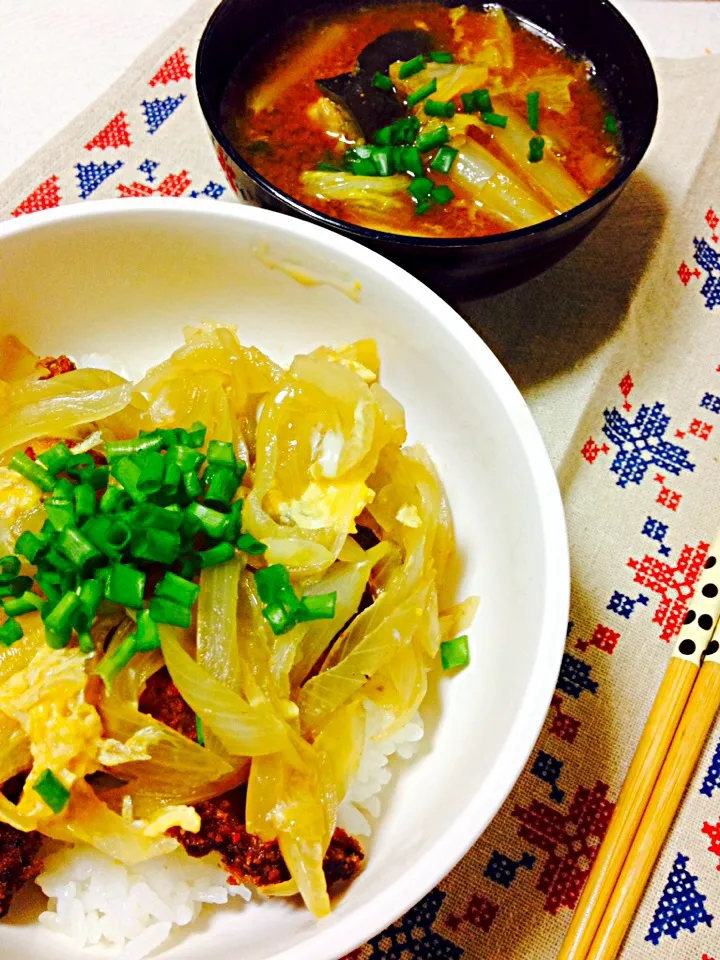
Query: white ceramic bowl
123, 278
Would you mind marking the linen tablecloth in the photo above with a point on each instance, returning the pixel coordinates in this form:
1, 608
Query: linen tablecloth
617, 351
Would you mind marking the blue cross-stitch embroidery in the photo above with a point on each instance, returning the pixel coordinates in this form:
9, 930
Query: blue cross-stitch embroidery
623, 605
708, 260
148, 167
681, 906
548, 769
91, 175
502, 870
412, 936
641, 444
157, 111
712, 777
710, 402
655, 529
212, 190
575, 677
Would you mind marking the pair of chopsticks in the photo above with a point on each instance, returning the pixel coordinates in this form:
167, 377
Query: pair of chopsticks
666, 756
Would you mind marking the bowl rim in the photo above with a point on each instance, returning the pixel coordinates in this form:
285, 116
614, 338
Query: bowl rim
454, 840
598, 199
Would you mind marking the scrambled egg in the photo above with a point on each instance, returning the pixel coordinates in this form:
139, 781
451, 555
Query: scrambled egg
333, 505
17, 497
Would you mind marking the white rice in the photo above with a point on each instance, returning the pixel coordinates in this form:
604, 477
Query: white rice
96, 900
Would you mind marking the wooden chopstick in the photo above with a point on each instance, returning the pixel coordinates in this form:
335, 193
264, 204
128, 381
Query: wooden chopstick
663, 721
680, 763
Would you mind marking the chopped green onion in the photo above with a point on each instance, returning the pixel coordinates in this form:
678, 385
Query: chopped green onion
64, 489
9, 568
10, 632
55, 459
423, 206
477, 101
220, 553
126, 586
420, 188
211, 521
382, 158
221, 453
279, 619
408, 159
49, 583
80, 466
410, 67
270, 580
436, 138
455, 653
114, 500
535, 150
152, 472
127, 474
248, 544
114, 449
77, 548
362, 168
221, 489
439, 108
59, 621
494, 119
90, 595
51, 791
111, 664
442, 56
29, 546
401, 133
32, 471
200, 730
85, 502
57, 561
191, 484
25, 603
318, 607
162, 518
234, 521
328, 167
85, 641
60, 513
610, 124
147, 637
196, 434
442, 195
189, 566
178, 589
156, 546
422, 93
444, 159
382, 82
97, 478
288, 600
185, 457
533, 109
171, 481
109, 533
165, 611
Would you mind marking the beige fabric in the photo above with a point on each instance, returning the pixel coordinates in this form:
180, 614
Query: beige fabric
615, 307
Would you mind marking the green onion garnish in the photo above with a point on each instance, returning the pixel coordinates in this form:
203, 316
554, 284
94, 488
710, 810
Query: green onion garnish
422, 93
165, 611
420, 188
382, 158
439, 108
444, 159
401, 133
55, 459
382, 82
477, 101
441, 56
424, 206
318, 607
59, 621
610, 124
410, 67
535, 151
10, 632
328, 167
147, 636
279, 619
32, 471
249, 544
494, 119
221, 488
178, 589
114, 449
26, 603
111, 664
220, 553
436, 138
126, 586
270, 580
200, 730
77, 548
442, 194
51, 791
9, 568
408, 160
455, 653
533, 109
29, 545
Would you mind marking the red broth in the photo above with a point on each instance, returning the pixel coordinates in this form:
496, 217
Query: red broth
272, 114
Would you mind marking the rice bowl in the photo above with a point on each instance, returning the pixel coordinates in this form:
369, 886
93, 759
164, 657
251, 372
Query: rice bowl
472, 409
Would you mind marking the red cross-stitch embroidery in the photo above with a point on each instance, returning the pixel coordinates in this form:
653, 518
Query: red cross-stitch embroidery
480, 912
42, 198
673, 582
686, 274
174, 185
113, 134
591, 450
667, 497
714, 833
712, 220
603, 638
626, 385
570, 839
176, 67
563, 725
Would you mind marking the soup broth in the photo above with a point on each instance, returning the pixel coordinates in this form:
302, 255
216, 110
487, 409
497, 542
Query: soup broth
425, 120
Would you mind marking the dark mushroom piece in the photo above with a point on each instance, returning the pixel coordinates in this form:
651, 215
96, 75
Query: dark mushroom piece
370, 107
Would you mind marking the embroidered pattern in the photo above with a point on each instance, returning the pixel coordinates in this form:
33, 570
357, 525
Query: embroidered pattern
641, 444
673, 582
502, 870
681, 906
413, 936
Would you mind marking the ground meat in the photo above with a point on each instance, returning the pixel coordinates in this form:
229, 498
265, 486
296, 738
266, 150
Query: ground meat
18, 853
55, 366
251, 860
161, 699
